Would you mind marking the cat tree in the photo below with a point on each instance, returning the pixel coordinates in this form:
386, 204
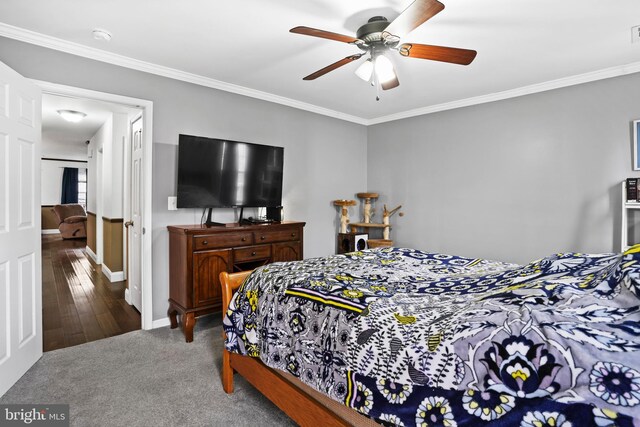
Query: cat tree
366, 224
344, 212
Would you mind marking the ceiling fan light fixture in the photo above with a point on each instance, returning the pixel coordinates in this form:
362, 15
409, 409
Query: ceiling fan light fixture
365, 70
384, 69
378, 37
72, 115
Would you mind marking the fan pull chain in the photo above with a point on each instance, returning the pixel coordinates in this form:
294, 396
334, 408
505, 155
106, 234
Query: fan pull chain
376, 83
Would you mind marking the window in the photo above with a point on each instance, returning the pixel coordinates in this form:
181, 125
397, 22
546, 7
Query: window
82, 187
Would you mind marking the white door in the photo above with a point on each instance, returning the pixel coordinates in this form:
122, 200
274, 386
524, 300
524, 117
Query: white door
20, 251
135, 229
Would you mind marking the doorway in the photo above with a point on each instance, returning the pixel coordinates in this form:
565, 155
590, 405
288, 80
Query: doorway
140, 242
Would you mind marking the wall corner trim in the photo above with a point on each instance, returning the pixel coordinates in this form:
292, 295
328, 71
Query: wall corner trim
113, 220
43, 40
161, 323
92, 254
113, 276
514, 93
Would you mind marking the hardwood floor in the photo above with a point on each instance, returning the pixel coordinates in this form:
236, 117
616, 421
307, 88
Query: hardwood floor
79, 304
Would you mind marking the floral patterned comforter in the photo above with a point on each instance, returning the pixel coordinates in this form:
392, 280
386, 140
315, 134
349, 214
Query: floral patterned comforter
414, 338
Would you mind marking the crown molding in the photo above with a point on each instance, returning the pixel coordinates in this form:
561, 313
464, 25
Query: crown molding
77, 49
514, 93
54, 43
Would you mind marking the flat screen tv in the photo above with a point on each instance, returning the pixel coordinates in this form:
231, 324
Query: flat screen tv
218, 173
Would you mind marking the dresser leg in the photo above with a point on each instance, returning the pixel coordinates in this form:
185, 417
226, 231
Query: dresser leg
189, 323
173, 316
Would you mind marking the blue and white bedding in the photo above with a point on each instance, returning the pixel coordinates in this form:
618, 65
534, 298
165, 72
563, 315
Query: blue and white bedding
414, 338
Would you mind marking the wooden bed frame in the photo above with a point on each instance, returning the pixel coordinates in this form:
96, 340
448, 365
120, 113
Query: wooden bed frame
305, 407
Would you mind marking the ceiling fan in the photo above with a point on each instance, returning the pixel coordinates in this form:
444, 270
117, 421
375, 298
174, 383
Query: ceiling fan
379, 36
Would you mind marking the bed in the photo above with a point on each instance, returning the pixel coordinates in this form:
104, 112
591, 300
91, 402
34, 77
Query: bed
406, 337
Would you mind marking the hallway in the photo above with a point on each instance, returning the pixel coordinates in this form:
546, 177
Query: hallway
79, 304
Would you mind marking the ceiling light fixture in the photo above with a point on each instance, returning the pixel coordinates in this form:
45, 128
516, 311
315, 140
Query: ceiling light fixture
381, 66
384, 69
365, 70
72, 115
378, 37
100, 34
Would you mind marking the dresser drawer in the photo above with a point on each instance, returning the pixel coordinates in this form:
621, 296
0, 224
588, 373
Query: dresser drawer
252, 252
286, 235
222, 240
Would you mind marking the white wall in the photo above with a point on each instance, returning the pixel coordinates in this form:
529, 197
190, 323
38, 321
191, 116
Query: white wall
63, 150
114, 167
97, 175
51, 171
51, 175
106, 173
96, 145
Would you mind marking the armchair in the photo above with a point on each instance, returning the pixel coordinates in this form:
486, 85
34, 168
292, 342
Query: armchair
72, 221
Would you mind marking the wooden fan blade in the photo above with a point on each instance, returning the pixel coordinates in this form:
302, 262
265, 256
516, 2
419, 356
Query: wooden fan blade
391, 84
323, 34
333, 66
438, 53
416, 14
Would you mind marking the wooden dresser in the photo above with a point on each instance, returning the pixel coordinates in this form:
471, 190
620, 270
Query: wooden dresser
197, 256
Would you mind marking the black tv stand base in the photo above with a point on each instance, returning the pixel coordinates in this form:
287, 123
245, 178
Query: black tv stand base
250, 220
210, 223
253, 221
241, 220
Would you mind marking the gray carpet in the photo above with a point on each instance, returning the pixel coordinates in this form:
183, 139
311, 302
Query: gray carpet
146, 378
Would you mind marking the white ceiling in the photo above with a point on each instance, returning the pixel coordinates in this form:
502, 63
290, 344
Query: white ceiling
55, 128
58, 132
247, 45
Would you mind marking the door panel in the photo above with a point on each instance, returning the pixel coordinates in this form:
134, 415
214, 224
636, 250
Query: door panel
4, 181
4, 98
26, 298
6, 310
26, 171
20, 253
135, 232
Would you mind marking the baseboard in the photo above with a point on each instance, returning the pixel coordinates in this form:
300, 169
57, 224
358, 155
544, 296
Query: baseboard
161, 323
92, 254
113, 276
51, 231
127, 296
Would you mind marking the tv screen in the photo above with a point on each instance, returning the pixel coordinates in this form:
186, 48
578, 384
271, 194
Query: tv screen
217, 173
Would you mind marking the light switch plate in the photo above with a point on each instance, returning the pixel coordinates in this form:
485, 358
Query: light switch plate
635, 34
173, 203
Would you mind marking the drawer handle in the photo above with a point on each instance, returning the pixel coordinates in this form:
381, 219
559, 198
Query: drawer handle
293, 234
262, 237
253, 253
244, 239
204, 242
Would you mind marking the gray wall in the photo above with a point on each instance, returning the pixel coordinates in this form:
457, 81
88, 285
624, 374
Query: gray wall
513, 180
321, 153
